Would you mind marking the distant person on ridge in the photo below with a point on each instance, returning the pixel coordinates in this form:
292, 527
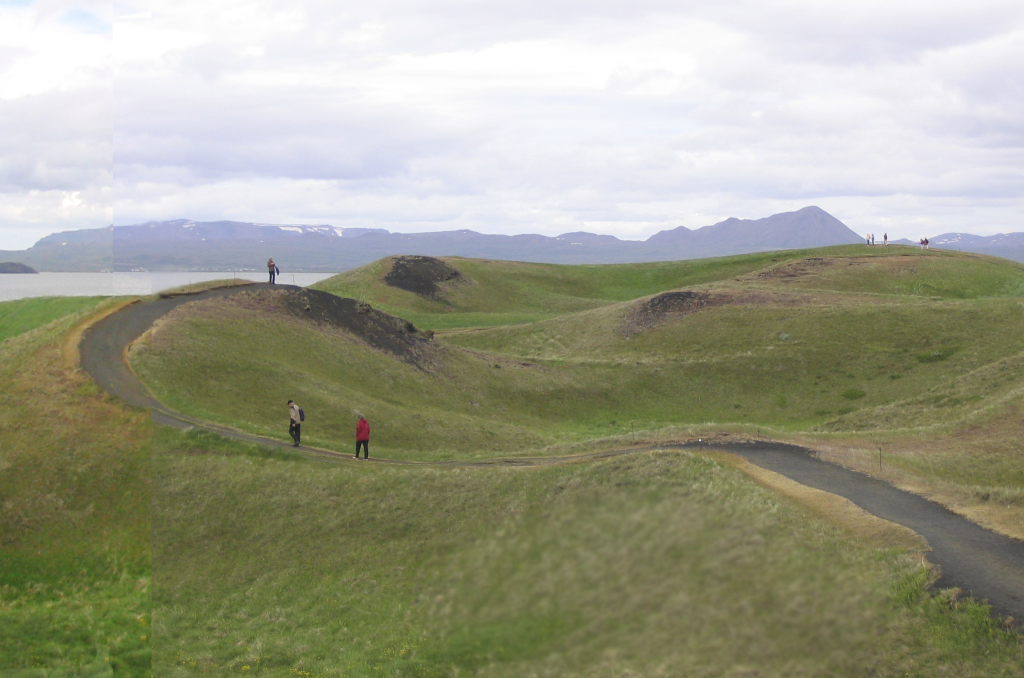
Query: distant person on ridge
872, 238
273, 269
885, 239
363, 436
868, 238
294, 422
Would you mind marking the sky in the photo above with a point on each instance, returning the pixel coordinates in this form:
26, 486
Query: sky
623, 117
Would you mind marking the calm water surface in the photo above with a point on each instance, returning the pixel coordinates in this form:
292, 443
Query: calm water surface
18, 286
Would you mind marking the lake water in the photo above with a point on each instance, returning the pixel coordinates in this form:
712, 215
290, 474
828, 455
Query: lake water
20, 286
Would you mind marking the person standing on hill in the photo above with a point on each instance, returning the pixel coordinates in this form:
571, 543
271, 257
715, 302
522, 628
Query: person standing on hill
885, 239
272, 267
363, 436
295, 422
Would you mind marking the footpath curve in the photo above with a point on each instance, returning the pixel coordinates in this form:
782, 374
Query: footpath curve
982, 563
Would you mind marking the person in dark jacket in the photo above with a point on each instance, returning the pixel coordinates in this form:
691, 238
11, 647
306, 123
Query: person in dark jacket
363, 436
272, 267
295, 423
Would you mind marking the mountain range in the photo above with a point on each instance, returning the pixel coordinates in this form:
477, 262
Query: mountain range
230, 245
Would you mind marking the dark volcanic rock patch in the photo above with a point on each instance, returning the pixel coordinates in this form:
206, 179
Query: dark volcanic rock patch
420, 275
382, 331
667, 305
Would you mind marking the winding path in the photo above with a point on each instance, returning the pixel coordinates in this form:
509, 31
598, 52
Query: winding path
982, 563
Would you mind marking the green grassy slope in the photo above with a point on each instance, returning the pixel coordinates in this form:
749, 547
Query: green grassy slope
503, 292
855, 347
74, 524
27, 314
657, 564
576, 377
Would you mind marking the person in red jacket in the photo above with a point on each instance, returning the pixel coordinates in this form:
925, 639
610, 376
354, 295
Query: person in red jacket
363, 436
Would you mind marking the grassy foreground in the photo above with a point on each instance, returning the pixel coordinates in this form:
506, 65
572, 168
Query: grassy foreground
661, 563
74, 505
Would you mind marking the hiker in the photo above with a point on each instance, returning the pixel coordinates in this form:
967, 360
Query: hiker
272, 267
295, 422
885, 240
363, 436
872, 238
926, 243
868, 238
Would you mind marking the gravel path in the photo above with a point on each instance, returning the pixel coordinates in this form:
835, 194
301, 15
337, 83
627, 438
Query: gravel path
985, 565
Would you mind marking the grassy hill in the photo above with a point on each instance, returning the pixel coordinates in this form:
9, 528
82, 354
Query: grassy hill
487, 293
74, 503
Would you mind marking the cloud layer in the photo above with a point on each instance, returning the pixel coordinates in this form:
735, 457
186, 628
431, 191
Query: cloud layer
608, 116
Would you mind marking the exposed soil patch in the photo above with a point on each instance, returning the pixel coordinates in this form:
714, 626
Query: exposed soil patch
385, 332
420, 275
802, 268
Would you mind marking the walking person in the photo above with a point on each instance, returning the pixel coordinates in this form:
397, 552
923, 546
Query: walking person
272, 267
868, 239
363, 436
885, 240
295, 422
872, 238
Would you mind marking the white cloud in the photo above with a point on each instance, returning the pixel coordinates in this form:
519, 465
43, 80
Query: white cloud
611, 116
56, 145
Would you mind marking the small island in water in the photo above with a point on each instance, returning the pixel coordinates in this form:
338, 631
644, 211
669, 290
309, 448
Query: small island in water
14, 267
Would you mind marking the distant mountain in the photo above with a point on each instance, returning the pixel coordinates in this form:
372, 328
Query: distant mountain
808, 227
14, 267
86, 250
231, 245
1006, 245
199, 231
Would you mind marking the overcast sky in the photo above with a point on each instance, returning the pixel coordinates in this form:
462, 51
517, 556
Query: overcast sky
621, 117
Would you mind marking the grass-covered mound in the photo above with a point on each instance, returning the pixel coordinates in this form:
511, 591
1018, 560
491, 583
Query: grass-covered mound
74, 505
654, 564
722, 354
450, 292
846, 349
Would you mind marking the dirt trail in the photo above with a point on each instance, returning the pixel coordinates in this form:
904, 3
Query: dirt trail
983, 564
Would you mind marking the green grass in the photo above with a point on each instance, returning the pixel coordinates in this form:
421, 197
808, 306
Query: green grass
660, 563
504, 292
510, 292
74, 525
23, 315
584, 380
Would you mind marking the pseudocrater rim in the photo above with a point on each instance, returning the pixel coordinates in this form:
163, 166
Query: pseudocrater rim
650, 312
421, 275
357, 319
